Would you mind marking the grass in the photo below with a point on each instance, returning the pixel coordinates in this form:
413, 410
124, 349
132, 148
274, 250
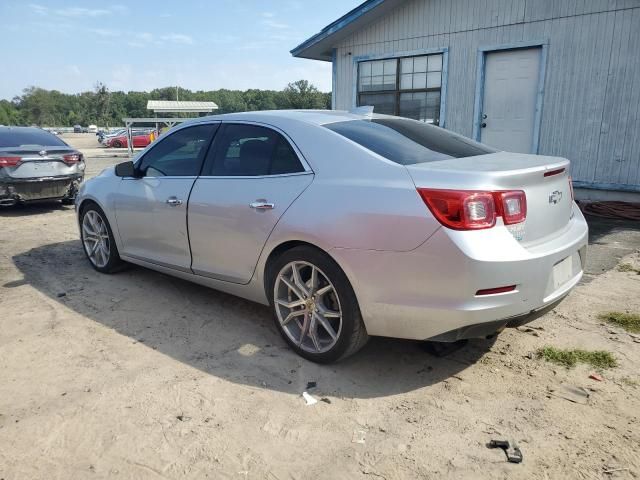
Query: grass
629, 321
627, 267
569, 358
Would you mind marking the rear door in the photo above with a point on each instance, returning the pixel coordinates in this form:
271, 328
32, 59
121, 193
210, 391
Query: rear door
251, 176
151, 211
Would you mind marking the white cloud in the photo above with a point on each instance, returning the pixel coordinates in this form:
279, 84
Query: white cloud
178, 38
268, 14
82, 12
104, 32
275, 24
145, 36
39, 9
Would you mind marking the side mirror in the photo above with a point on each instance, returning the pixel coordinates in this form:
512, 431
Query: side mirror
125, 169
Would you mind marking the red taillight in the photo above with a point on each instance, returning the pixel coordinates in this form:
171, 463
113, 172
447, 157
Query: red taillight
72, 159
512, 206
475, 210
493, 291
10, 161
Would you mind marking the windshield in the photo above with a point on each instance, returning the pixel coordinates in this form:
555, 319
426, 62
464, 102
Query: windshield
408, 142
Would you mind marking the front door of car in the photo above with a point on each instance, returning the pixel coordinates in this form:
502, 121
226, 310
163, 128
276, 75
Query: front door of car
251, 176
151, 209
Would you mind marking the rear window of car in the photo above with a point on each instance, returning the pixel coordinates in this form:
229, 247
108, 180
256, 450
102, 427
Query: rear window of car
13, 137
408, 142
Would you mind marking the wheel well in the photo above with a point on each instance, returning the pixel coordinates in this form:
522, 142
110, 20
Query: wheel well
85, 204
279, 250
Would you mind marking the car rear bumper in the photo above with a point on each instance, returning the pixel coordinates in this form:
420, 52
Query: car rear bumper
430, 292
14, 191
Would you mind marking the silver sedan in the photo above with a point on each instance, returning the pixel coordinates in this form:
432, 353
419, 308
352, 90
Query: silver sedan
347, 225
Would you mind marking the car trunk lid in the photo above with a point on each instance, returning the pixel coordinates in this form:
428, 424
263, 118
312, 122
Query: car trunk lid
39, 162
545, 181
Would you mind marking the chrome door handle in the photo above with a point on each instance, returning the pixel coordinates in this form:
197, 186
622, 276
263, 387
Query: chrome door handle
174, 202
261, 205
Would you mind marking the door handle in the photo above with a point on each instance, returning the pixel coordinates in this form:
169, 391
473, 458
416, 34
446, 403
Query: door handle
174, 202
261, 205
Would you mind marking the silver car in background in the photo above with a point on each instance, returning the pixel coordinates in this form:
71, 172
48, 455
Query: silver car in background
37, 165
347, 225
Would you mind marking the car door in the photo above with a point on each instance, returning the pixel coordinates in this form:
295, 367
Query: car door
151, 209
251, 176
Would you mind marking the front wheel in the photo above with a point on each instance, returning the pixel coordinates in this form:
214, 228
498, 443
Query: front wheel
116, 144
315, 308
97, 240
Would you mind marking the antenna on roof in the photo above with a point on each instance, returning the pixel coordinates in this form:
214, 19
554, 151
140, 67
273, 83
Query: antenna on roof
367, 111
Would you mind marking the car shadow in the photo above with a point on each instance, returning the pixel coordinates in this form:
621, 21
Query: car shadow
34, 208
226, 336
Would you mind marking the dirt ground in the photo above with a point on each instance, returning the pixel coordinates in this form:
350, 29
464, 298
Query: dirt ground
140, 375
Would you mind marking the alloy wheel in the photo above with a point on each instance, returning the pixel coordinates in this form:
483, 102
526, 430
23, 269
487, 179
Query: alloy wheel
307, 307
95, 238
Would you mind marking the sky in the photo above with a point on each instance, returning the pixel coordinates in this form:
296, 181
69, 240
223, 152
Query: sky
197, 44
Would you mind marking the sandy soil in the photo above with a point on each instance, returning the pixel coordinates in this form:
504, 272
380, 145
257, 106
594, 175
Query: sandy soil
139, 375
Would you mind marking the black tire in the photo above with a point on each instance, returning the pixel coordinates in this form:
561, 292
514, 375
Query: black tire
67, 201
116, 144
353, 334
114, 263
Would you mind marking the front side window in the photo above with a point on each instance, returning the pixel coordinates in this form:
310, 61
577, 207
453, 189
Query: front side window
406, 87
249, 150
178, 155
408, 142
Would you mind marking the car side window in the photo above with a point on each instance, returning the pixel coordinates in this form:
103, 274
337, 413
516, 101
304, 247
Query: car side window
249, 150
179, 154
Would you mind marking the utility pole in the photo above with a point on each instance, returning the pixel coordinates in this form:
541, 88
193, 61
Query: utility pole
177, 98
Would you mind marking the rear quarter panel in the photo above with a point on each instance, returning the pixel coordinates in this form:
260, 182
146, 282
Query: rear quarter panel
356, 200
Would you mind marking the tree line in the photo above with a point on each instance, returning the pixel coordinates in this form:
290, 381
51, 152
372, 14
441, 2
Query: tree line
51, 108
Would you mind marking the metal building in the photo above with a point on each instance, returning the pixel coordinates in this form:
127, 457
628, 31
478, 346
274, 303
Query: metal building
556, 77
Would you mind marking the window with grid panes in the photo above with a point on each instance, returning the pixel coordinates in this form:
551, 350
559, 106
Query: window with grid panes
406, 87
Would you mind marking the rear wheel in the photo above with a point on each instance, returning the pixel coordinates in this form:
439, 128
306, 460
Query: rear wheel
116, 144
314, 306
97, 240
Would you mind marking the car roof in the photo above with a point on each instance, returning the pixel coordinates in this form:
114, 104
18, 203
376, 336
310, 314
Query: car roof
23, 129
317, 117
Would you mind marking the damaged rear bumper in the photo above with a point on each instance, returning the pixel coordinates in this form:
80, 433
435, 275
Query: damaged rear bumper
13, 191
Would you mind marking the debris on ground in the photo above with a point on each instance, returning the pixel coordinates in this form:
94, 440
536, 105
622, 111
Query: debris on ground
511, 450
571, 393
595, 376
61, 294
358, 436
325, 400
309, 399
311, 385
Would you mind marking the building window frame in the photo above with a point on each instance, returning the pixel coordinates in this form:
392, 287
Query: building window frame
397, 56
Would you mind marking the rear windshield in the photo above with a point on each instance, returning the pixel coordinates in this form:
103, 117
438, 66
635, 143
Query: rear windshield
18, 137
408, 142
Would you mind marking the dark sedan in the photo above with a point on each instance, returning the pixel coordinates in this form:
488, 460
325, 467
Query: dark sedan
37, 165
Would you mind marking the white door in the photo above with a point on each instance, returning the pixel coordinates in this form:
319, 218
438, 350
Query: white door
509, 103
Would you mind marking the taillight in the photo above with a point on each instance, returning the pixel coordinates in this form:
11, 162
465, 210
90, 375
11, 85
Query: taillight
72, 158
10, 161
571, 188
512, 206
475, 210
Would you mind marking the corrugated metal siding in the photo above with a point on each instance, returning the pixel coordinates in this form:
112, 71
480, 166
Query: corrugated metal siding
591, 107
